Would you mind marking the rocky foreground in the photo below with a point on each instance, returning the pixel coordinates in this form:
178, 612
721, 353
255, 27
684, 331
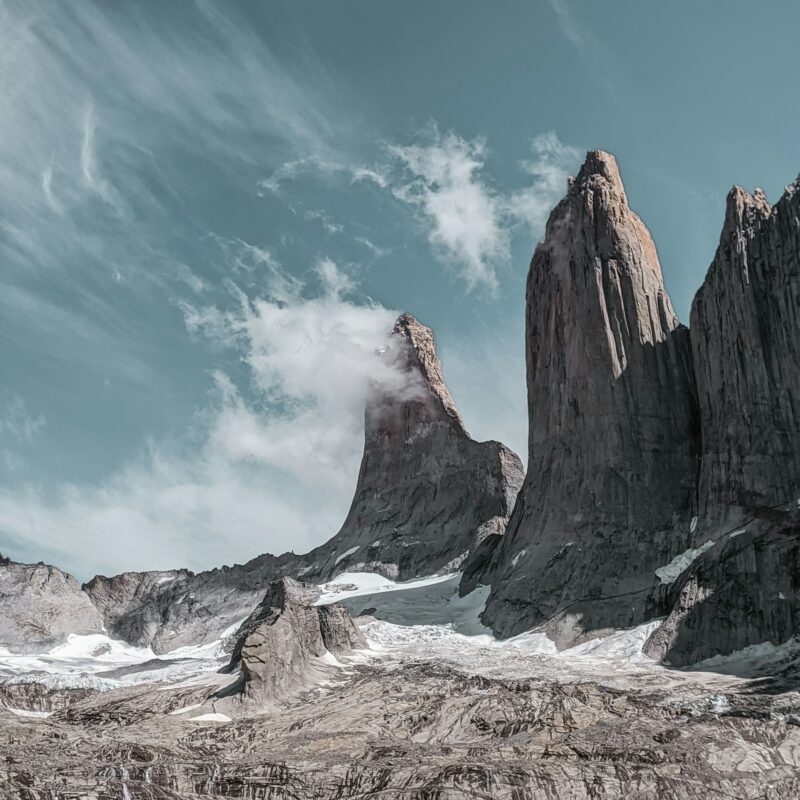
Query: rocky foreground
423, 713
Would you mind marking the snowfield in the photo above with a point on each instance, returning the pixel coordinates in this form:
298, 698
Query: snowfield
419, 620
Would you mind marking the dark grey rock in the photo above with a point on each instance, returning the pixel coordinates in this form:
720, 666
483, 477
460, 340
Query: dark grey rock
746, 342
745, 331
40, 606
427, 493
610, 489
743, 591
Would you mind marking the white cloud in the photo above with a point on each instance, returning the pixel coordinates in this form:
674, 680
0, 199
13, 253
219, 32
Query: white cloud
462, 211
469, 221
552, 163
240, 484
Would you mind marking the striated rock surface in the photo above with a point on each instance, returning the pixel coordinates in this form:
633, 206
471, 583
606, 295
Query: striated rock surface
425, 720
746, 341
283, 645
40, 606
427, 494
743, 591
176, 608
745, 331
610, 489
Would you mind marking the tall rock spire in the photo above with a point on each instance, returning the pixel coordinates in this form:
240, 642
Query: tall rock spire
427, 494
745, 328
610, 489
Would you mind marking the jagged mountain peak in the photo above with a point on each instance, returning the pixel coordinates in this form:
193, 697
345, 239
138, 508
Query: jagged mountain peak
600, 171
423, 396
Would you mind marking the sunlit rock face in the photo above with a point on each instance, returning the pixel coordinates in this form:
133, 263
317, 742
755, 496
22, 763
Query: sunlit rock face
40, 606
283, 645
610, 490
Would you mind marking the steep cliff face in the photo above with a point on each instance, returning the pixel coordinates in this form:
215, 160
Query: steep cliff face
40, 606
745, 331
746, 341
610, 490
426, 495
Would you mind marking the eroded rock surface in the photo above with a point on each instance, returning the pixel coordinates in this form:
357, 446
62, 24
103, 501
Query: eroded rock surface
283, 645
40, 606
427, 493
743, 591
415, 730
745, 334
610, 489
745, 331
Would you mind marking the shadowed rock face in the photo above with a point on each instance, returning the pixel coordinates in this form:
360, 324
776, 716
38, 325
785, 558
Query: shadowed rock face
40, 606
746, 341
281, 645
610, 489
426, 495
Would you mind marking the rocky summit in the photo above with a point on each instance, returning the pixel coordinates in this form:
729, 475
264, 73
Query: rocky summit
621, 623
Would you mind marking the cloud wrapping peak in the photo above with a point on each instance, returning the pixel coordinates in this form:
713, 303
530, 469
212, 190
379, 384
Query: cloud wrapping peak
240, 484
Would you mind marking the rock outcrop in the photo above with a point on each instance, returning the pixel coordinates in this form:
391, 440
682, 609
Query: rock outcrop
283, 646
176, 608
745, 331
427, 494
40, 606
742, 591
610, 489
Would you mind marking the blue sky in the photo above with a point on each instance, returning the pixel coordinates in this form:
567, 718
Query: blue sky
211, 212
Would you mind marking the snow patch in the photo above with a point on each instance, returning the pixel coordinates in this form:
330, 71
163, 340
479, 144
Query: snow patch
347, 553
693, 525
211, 717
517, 557
23, 712
355, 584
671, 571
185, 709
736, 533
